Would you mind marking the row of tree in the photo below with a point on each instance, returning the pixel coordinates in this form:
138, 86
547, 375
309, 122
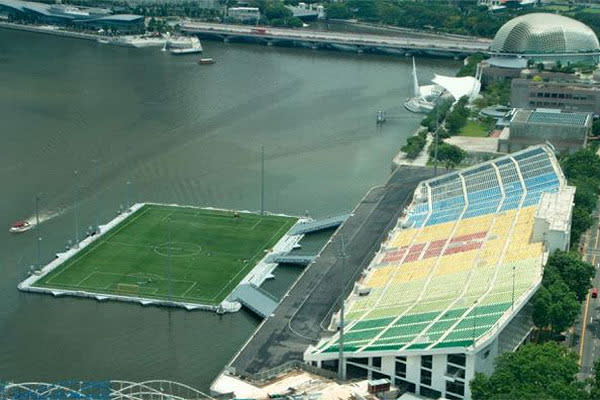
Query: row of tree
565, 284
463, 17
545, 371
414, 145
582, 170
455, 16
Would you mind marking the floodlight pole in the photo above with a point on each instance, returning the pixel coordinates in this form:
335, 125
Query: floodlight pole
96, 199
436, 139
341, 369
262, 180
76, 207
127, 206
169, 257
474, 319
513, 289
37, 228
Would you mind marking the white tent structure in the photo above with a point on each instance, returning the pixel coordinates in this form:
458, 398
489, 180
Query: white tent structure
425, 97
459, 87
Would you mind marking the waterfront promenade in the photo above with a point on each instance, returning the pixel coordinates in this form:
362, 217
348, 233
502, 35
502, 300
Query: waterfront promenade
401, 44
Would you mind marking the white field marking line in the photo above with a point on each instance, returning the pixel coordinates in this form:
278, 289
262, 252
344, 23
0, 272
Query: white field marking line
256, 224
125, 276
168, 216
129, 244
72, 260
78, 284
188, 289
250, 264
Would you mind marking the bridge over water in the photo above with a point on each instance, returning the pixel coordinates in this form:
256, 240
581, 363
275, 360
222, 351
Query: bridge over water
401, 44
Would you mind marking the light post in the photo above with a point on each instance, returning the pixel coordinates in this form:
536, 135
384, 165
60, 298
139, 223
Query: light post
37, 228
341, 369
76, 207
169, 258
96, 199
262, 180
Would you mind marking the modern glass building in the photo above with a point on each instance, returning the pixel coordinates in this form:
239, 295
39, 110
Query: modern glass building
546, 37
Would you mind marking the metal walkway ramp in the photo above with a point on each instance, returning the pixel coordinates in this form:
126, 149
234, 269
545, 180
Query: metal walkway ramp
285, 258
319, 225
255, 299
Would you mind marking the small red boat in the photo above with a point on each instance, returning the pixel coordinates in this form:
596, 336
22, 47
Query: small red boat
20, 226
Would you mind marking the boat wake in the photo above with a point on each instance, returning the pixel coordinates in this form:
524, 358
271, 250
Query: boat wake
45, 215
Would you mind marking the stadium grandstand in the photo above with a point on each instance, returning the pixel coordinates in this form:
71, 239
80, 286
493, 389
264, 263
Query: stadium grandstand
449, 287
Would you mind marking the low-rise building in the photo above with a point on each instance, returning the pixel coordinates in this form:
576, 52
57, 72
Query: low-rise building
243, 14
566, 131
564, 95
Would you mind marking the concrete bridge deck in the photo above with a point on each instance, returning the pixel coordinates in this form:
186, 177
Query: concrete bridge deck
397, 44
305, 311
255, 299
285, 258
318, 225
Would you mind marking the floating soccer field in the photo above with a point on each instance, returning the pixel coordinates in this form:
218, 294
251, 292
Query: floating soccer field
171, 253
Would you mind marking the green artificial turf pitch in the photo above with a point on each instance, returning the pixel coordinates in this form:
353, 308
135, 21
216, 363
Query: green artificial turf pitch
209, 251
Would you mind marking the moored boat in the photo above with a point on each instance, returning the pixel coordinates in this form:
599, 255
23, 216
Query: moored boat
206, 61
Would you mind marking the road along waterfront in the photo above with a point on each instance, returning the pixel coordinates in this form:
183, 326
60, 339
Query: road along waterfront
178, 133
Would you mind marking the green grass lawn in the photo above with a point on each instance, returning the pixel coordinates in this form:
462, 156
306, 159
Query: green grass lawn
209, 252
474, 129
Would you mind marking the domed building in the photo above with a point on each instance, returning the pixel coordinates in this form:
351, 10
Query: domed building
546, 37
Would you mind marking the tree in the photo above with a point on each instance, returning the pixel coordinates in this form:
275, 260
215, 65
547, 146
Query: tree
595, 385
555, 306
547, 371
573, 271
449, 154
596, 127
337, 11
458, 116
581, 222
581, 163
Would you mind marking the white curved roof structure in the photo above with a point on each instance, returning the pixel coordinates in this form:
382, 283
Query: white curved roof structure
543, 33
458, 87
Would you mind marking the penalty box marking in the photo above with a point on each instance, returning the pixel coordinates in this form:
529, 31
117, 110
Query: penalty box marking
100, 241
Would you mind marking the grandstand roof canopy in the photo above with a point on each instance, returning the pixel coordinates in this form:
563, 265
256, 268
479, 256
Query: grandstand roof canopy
458, 266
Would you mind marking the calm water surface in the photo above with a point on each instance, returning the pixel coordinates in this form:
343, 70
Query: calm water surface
181, 133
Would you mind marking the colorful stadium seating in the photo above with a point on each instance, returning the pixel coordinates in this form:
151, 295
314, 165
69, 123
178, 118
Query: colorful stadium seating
458, 262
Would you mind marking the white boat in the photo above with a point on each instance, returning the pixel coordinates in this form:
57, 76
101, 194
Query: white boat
20, 226
180, 45
137, 41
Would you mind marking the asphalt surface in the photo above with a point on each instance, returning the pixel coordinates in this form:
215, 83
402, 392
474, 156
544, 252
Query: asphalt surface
588, 344
306, 309
402, 40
